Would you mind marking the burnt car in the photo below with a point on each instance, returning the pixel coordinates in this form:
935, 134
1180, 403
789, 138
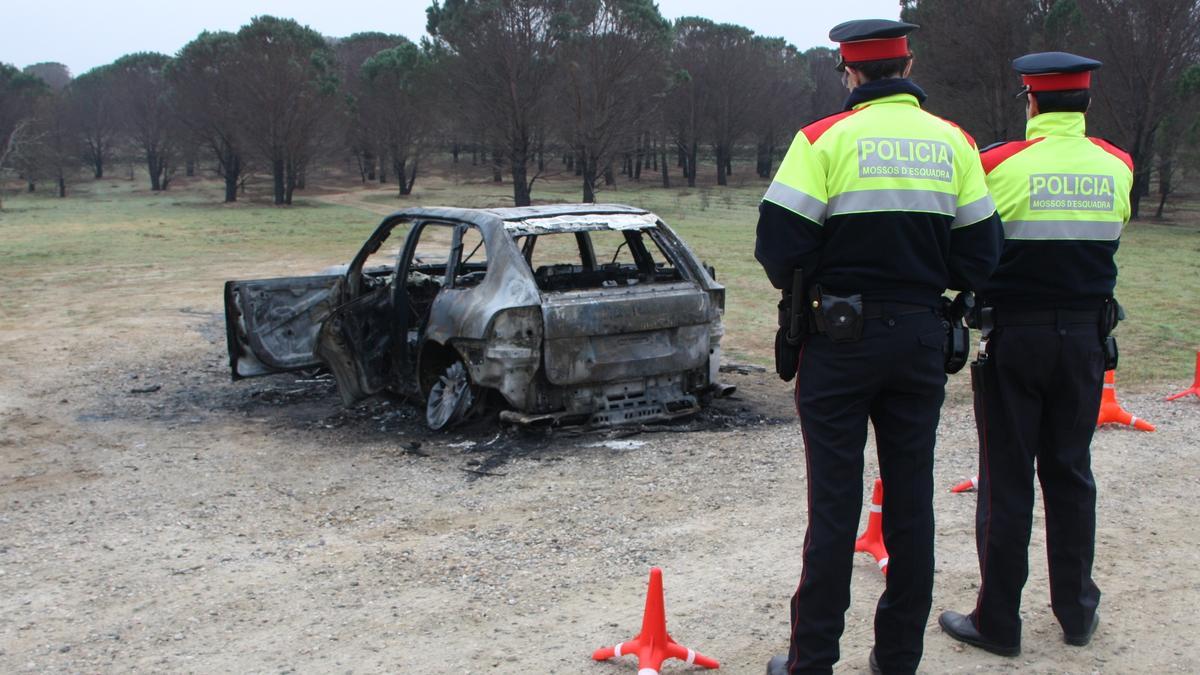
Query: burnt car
570, 314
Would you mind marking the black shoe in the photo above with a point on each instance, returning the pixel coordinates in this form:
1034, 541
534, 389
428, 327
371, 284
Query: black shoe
873, 664
961, 628
777, 666
1083, 639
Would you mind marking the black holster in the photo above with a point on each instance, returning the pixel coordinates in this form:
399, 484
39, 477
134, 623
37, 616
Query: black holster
793, 326
1110, 315
958, 335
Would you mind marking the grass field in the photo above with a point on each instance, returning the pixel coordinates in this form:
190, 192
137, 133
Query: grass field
111, 227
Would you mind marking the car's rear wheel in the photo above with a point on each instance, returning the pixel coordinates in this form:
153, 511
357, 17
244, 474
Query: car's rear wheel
451, 398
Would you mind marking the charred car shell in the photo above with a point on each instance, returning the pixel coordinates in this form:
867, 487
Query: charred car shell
559, 332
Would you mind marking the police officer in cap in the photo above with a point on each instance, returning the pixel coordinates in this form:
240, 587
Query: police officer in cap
1064, 199
883, 206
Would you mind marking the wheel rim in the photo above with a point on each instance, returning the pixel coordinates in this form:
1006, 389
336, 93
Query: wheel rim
449, 398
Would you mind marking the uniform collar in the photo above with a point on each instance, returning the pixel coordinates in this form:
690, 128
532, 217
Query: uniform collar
889, 90
1055, 124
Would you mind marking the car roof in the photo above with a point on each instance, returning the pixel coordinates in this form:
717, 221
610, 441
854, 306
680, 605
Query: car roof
541, 218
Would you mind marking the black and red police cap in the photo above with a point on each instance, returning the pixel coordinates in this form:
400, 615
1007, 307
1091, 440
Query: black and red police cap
871, 40
1055, 71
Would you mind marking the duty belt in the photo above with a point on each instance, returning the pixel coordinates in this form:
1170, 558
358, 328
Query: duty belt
883, 310
1045, 317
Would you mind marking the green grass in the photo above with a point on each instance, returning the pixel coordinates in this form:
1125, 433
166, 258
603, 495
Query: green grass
110, 227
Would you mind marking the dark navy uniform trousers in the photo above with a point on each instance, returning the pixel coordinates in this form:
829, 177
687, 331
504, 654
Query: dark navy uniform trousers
1037, 397
894, 377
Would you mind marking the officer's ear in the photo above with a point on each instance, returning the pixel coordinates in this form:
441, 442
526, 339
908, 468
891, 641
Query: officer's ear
908, 66
1031, 106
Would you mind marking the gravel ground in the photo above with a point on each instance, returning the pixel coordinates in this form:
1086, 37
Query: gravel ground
207, 526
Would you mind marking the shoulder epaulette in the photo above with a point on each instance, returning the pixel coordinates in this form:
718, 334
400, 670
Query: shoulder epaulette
1114, 150
817, 129
995, 145
996, 153
970, 139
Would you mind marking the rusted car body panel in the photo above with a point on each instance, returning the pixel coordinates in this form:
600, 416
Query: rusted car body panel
587, 340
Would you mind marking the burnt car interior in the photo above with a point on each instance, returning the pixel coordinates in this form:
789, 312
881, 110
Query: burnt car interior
565, 261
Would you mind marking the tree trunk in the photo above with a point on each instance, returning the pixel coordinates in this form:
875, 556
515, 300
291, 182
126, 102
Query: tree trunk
520, 186
399, 168
277, 177
231, 187
693, 150
62, 186
498, 169
190, 167
32, 187
369, 163
289, 183
662, 162
1141, 188
98, 167
1164, 186
721, 166
152, 167
412, 180
454, 149
609, 180
589, 179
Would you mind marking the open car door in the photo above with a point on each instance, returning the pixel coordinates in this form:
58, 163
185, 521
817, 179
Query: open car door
271, 325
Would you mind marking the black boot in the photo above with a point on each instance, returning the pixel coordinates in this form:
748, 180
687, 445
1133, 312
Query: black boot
1083, 639
962, 628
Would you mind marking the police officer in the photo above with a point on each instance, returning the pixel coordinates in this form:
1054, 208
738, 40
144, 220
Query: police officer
1064, 199
883, 206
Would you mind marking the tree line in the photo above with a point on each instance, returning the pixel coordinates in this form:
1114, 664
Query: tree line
599, 89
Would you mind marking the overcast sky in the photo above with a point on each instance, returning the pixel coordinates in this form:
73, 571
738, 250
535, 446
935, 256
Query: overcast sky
87, 33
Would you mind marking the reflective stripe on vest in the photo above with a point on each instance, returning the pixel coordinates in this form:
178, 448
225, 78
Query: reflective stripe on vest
796, 201
1088, 230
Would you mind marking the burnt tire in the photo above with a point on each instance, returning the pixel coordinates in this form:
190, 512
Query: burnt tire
451, 398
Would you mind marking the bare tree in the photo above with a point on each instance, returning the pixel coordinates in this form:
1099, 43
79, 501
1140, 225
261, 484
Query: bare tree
284, 96
350, 54
394, 108
141, 90
502, 67
203, 79
778, 115
53, 148
688, 96
1146, 48
612, 55
19, 94
92, 102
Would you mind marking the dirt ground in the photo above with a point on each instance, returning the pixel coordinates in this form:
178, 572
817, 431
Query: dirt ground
158, 517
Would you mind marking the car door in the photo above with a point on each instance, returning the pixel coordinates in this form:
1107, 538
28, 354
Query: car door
367, 341
271, 325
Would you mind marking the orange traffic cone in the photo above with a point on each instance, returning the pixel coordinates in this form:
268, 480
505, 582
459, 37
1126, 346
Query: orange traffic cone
1195, 388
653, 645
1111, 411
967, 485
871, 541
